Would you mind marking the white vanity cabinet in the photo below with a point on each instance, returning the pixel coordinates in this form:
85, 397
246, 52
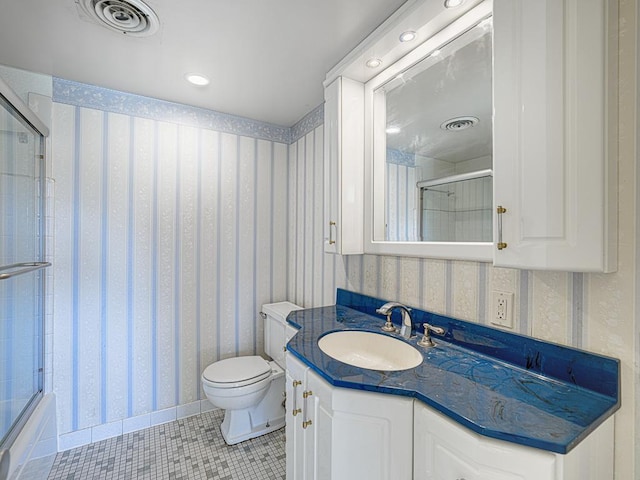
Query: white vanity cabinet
308, 423
337, 433
340, 433
444, 450
555, 137
344, 167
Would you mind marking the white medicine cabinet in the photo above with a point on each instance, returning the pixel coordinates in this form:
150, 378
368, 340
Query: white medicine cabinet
555, 125
518, 170
344, 166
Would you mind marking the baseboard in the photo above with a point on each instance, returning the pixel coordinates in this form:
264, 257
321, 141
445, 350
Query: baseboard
86, 436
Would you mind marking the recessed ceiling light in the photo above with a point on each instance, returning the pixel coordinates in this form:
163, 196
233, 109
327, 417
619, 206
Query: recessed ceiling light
374, 62
408, 36
392, 130
453, 3
197, 79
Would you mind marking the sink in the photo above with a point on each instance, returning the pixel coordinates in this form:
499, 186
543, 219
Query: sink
371, 350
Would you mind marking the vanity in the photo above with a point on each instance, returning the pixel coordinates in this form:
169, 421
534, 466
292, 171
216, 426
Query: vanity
482, 131
483, 404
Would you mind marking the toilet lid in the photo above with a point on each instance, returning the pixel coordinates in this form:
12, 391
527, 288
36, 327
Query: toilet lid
238, 371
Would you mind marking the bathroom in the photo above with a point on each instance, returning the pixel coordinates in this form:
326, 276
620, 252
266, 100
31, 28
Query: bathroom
161, 267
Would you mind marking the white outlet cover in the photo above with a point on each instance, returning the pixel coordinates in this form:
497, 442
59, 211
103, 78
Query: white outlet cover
505, 320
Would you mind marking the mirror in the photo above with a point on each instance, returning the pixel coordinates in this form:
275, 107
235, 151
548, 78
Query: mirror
431, 127
438, 119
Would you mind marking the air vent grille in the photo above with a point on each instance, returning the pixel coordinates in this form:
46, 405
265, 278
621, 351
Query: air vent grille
459, 123
131, 17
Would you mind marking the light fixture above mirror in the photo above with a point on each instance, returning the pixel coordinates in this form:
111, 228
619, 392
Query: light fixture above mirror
453, 3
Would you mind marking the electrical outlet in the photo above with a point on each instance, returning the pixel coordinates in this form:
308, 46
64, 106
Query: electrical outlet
502, 312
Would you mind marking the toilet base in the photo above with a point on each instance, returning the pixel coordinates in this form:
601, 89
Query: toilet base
266, 417
231, 437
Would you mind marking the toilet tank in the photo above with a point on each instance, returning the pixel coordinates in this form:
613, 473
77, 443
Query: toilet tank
275, 329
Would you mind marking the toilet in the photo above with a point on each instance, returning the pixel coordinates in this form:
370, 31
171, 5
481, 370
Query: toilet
251, 389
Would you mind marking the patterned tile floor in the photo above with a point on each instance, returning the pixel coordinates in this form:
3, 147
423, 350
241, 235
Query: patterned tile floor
188, 449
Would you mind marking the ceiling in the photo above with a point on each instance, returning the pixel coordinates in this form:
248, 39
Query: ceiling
453, 84
266, 58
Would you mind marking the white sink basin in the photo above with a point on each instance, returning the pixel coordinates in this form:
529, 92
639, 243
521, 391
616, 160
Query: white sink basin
370, 350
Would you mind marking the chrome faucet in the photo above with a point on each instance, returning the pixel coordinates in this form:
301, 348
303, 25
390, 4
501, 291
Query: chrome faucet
407, 321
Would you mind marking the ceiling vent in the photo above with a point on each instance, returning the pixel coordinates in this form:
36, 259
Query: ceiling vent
459, 123
131, 17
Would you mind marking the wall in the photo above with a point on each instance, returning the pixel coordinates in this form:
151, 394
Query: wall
401, 202
313, 275
596, 312
24, 83
171, 232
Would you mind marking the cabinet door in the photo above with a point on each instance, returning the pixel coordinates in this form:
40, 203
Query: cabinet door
555, 136
444, 450
308, 431
372, 436
295, 378
318, 432
344, 167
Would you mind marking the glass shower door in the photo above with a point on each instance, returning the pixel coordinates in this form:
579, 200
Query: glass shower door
21, 268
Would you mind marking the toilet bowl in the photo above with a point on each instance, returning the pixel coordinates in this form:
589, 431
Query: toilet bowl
251, 389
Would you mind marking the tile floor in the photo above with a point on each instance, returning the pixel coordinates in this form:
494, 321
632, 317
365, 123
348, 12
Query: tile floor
188, 449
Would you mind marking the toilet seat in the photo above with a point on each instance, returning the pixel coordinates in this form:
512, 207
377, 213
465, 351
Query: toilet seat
237, 372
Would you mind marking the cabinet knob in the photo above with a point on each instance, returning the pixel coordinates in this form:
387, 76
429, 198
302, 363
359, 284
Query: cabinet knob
305, 424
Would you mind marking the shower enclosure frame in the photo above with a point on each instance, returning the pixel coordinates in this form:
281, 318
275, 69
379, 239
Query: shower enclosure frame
18, 108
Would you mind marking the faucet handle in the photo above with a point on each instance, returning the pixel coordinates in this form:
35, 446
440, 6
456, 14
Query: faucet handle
388, 326
426, 341
434, 329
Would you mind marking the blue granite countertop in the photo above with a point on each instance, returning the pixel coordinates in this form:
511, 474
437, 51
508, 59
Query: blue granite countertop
498, 384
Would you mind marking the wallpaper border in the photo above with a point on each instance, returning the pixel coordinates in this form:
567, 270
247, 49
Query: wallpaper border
308, 123
114, 101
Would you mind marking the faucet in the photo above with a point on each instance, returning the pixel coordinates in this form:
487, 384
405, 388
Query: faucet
407, 321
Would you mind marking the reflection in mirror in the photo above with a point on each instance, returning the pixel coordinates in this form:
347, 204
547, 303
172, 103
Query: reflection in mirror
438, 121
456, 208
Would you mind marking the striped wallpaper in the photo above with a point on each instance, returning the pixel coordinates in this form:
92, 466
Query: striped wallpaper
313, 274
401, 206
169, 237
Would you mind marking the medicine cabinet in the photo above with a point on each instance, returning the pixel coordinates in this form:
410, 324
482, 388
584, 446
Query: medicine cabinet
492, 138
